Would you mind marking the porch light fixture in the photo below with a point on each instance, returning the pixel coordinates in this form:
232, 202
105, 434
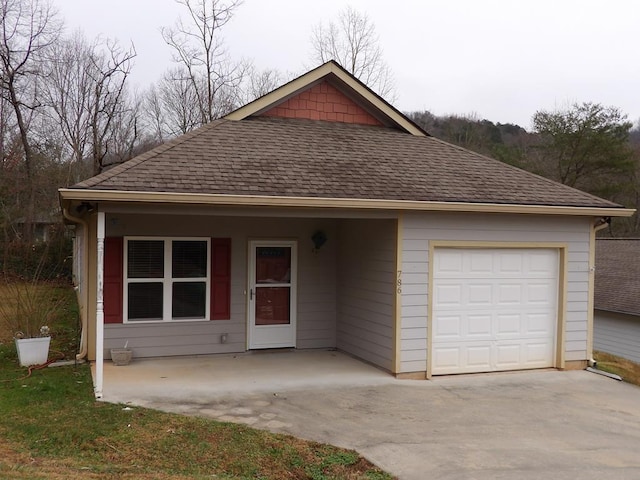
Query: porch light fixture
319, 239
85, 207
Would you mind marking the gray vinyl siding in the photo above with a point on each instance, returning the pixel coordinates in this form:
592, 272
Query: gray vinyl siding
618, 334
365, 296
316, 307
420, 229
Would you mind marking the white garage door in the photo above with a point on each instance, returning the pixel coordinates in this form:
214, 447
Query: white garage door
494, 309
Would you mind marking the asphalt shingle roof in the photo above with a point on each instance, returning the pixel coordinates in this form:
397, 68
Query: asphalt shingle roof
306, 158
617, 279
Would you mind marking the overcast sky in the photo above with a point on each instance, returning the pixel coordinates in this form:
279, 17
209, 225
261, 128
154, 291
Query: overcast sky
498, 59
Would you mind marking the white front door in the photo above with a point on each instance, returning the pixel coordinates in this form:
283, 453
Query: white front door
272, 294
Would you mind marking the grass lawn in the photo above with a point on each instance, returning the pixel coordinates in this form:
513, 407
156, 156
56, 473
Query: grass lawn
52, 428
628, 370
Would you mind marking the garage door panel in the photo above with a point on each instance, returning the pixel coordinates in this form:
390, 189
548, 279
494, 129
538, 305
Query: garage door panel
494, 309
508, 355
537, 354
449, 262
478, 326
448, 327
541, 263
509, 293
480, 262
478, 294
541, 293
510, 263
448, 295
447, 359
537, 324
477, 356
508, 325
462, 358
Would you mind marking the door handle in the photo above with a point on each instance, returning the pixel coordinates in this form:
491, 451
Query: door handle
251, 294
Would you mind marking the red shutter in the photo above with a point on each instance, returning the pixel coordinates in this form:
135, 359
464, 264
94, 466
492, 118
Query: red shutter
220, 278
113, 250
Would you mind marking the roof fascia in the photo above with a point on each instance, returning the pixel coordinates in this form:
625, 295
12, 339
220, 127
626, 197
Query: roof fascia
68, 195
374, 101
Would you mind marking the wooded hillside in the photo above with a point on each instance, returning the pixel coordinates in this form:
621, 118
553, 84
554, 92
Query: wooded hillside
586, 146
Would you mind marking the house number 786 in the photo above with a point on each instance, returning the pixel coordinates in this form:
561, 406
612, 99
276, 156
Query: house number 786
399, 282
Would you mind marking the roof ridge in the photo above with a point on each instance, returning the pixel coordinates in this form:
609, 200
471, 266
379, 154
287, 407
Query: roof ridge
545, 179
143, 157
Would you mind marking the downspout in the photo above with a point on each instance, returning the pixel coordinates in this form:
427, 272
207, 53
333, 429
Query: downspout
599, 224
83, 291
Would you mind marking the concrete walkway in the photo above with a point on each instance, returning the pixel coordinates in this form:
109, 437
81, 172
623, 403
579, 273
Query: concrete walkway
525, 425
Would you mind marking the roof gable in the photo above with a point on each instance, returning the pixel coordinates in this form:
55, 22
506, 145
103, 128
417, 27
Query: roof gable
343, 85
325, 102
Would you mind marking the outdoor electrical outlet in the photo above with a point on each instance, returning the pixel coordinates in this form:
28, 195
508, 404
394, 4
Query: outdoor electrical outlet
223, 338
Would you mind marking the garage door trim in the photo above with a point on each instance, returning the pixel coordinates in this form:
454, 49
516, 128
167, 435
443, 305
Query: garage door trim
562, 249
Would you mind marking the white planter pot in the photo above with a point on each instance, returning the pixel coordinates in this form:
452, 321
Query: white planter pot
33, 351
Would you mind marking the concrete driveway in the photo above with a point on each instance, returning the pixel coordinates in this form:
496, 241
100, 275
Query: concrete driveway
525, 425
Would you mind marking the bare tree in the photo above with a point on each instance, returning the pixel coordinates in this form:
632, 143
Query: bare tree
199, 50
27, 31
259, 83
171, 105
68, 93
110, 73
354, 44
87, 95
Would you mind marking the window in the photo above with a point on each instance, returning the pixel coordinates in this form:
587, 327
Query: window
166, 279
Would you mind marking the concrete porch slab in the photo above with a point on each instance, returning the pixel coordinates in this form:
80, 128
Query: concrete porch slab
206, 378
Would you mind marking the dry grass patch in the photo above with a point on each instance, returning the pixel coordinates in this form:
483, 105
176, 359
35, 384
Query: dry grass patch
50, 304
27, 306
628, 370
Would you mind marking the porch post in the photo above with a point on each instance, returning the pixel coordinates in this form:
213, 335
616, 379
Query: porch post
100, 307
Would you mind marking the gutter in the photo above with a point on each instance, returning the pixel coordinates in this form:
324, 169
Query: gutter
598, 225
85, 292
68, 195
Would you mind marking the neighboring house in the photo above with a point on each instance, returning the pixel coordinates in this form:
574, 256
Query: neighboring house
617, 297
319, 216
42, 226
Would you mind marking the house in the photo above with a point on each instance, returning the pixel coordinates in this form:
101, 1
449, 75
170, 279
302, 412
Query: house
617, 297
42, 226
319, 216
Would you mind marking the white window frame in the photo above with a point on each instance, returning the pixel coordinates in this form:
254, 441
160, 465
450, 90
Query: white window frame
167, 281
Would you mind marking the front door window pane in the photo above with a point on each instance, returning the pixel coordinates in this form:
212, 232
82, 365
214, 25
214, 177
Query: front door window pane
273, 264
272, 305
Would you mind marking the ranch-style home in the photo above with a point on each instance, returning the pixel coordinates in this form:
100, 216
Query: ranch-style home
319, 216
